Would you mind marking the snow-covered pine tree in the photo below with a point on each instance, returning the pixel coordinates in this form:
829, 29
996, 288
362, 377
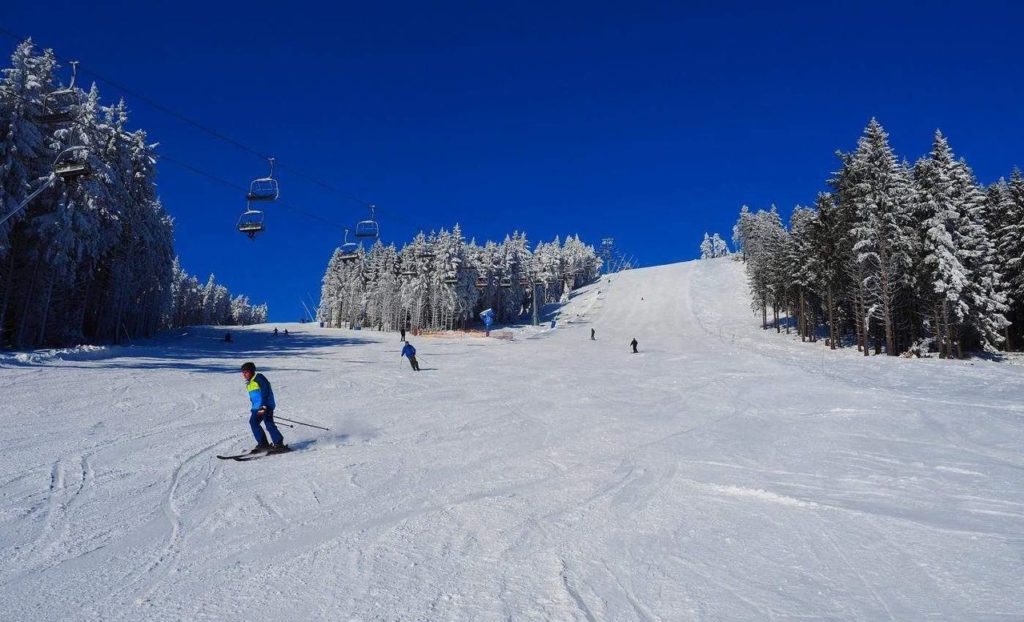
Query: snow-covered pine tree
739, 232
718, 246
803, 269
1010, 244
844, 182
986, 320
999, 211
883, 232
241, 311
706, 250
956, 254
24, 159
763, 239
776, 244
383, 307
464, 288
829, 269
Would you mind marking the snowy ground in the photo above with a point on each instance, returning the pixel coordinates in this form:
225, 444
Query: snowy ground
723, 473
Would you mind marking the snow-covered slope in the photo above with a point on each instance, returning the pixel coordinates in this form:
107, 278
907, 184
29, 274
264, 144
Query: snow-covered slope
724, 472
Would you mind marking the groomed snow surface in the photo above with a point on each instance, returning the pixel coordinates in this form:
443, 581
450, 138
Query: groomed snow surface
723, 473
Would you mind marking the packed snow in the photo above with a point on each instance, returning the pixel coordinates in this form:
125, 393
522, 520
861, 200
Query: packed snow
723, 472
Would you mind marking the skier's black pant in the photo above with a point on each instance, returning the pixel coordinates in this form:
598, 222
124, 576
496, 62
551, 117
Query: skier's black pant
634, 350
415, 365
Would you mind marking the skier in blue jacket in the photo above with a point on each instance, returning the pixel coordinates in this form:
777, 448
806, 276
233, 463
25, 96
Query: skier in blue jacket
261, 395
410, 351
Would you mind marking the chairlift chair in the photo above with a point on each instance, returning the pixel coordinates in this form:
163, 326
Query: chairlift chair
251, 223
481, 282
58, 106
349, 250
505, 282
71, 170
368, 229
67, 167
264, 188
450, 280
55, 111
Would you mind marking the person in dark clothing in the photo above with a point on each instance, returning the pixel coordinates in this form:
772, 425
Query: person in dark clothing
634, 344
261, 396
592, 334
410, 351
401, 332
227, 337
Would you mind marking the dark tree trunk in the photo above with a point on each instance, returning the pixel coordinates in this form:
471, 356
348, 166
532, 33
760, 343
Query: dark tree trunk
831, 320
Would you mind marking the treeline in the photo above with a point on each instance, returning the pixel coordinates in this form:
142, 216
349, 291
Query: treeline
896, 258
192, 303
440, 281
91, 258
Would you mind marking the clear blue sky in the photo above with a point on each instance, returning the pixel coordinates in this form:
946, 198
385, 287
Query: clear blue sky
649, 123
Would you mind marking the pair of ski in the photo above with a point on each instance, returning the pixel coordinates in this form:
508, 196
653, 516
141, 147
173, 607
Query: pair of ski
247, 456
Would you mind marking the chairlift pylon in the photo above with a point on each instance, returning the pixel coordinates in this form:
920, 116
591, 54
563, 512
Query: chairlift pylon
264, 188
251, 223
368, 229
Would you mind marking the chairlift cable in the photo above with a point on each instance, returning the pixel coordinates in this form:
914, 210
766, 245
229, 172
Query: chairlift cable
152, 103
242, 189
202, 127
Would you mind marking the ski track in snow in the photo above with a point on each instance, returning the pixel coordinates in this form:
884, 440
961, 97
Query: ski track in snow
724, 472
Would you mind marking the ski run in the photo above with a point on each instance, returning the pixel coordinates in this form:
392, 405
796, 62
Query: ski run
721, 473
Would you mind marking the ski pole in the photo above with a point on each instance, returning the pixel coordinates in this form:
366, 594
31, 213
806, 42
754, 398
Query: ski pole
276, 418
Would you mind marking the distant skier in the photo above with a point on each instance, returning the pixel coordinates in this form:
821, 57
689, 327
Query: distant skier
261, 395
401, 331
592, 334
410, 351
227, 337
286, 332
275, 331
634, 344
